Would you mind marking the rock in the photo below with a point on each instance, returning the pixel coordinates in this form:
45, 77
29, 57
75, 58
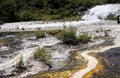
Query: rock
4, 48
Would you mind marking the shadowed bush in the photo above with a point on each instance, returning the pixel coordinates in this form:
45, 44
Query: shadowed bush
40, 34
111, 17
84, 38
42, 55
20, 64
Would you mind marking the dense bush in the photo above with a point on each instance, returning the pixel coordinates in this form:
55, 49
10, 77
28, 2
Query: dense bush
28, 10
68, 36
42, 55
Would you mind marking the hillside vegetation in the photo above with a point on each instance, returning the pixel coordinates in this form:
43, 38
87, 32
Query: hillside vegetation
30, 10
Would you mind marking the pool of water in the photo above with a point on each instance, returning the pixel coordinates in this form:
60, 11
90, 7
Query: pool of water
111, 61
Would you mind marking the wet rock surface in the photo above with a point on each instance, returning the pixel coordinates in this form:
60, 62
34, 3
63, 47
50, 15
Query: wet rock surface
10, 45
61, 57
111, 62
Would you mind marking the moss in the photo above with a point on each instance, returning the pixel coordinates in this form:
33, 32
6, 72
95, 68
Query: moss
98, 68
62, 73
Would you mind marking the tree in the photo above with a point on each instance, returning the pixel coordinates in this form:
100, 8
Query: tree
39, 3
7, 10
30, 10
42, 55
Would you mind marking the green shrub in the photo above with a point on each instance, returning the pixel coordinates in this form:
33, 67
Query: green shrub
40, 34
20, 64
84, 38
96, 37
111, 17
36, 10
42, 55
68, 36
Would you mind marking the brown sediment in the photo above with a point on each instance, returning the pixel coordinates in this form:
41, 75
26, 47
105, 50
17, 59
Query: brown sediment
62, 73
98, 68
